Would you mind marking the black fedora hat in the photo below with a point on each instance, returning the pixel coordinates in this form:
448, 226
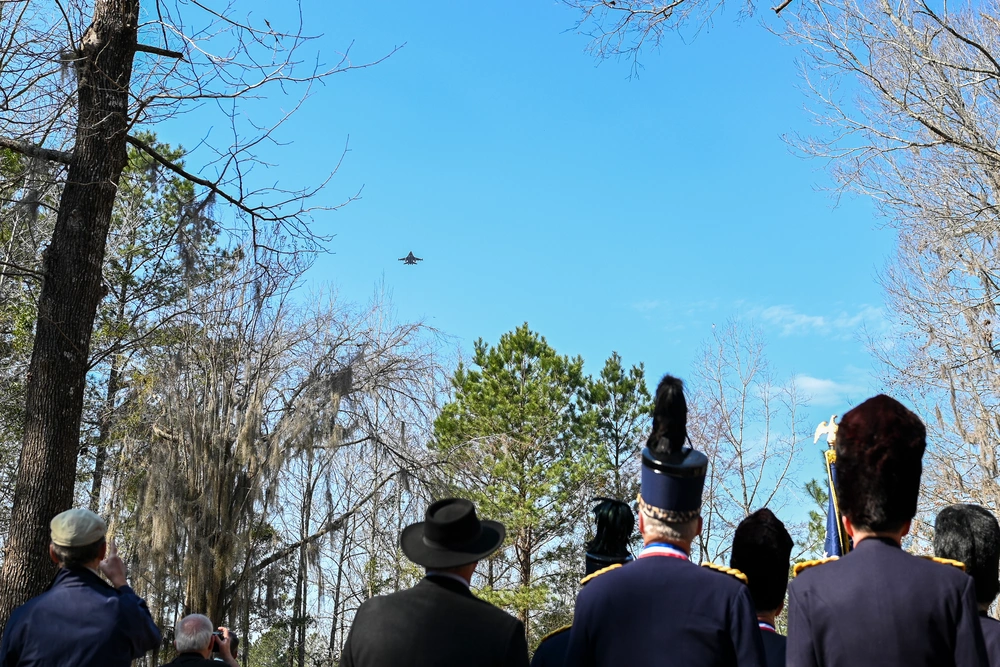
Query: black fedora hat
451, 535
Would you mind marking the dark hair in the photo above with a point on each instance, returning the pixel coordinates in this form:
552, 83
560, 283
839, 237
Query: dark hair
615, 523
879, 445
77, 557
669, 418
762, 550
970, 534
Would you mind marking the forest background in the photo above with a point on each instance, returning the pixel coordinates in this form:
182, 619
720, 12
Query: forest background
257, 422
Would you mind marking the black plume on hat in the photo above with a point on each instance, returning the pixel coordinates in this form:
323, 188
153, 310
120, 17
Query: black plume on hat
970, 534
615, 523
669, 418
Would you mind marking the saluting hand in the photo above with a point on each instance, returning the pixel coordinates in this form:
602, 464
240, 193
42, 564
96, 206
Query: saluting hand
113, 567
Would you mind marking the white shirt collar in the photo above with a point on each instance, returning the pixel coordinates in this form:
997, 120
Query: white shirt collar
448, 575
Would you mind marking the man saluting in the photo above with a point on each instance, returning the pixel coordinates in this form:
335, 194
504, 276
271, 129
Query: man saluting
879, 605
662, 609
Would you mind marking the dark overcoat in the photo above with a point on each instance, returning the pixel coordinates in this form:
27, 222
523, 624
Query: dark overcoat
81, 621
437, 622
879, 605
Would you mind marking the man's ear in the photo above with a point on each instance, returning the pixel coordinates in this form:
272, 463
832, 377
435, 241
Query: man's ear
701, 524
104, 551
848, 526
52, 554
906, 528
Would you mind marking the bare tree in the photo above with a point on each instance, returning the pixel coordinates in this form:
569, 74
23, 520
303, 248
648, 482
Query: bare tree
748, 424
78, 81
918, 135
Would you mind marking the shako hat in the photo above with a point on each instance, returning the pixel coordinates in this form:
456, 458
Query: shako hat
880, 446
451, 535
615, 523
673, 473
762, 550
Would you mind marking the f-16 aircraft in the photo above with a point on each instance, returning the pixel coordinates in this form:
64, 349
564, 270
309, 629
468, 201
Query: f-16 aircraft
410, 259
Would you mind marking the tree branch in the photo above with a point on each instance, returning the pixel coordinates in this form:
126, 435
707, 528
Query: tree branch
146, 48
197, 180
785, 3
31, 150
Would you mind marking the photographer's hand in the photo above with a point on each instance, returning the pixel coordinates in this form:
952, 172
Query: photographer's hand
113, 567
223, 644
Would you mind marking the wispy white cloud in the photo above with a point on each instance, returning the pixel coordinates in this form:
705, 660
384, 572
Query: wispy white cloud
843, 324
828, 393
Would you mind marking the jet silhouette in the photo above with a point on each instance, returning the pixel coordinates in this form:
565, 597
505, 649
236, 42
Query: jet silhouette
410, 259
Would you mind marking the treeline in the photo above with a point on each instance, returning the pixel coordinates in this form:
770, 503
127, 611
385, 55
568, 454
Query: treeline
257, 445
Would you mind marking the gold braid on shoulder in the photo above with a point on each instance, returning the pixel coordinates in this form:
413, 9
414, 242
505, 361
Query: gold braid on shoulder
594, 575
556, 632
667, 515
731, 571
946, 561
798, 568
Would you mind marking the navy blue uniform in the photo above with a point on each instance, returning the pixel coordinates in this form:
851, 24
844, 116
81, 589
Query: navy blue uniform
665, 611
80, 621
991, 635
774, 647
552, 651
879, 605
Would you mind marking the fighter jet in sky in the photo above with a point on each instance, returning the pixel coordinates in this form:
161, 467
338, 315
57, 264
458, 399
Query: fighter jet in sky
410, 259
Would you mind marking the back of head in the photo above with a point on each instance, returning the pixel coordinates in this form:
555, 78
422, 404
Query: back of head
77, 537
615, 523
762, 550
880, 446
193, 633
970, 534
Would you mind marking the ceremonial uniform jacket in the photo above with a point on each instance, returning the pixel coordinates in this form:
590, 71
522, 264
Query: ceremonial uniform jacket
774, 646
552, 651
879, 605
437, 622
991, 635
81, 621
664, 611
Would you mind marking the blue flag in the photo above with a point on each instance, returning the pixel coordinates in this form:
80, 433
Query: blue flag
837, 541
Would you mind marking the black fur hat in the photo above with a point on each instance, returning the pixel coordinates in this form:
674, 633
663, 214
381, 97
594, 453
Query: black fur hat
879, 446
762, 550
970, 534
615, 523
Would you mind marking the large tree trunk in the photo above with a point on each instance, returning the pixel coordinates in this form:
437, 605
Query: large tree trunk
68, 302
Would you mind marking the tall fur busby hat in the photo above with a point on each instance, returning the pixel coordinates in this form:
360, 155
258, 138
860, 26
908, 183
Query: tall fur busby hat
673, 474
880, 445
615, 523
762, 550
970, 534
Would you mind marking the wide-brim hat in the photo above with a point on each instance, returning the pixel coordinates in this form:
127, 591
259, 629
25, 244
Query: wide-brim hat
451, 535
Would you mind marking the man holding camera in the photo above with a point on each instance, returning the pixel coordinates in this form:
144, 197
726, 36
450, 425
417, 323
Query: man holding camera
196, 640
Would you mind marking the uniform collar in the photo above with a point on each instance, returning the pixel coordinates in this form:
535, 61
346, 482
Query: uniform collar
663, 549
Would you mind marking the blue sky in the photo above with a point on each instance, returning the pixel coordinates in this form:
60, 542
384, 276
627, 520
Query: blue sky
609, 213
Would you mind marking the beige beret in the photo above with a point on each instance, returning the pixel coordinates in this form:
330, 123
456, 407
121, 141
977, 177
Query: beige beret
77, 528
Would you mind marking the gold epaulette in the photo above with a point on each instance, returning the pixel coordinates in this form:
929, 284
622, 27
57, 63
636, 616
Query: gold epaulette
946, 561
556, 632
806, 564
592, 575
731, 571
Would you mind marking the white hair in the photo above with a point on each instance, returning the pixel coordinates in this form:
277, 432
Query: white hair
665, 531
193, 633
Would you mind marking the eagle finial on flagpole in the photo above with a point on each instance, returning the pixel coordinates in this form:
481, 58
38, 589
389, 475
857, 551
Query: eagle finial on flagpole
829, 429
